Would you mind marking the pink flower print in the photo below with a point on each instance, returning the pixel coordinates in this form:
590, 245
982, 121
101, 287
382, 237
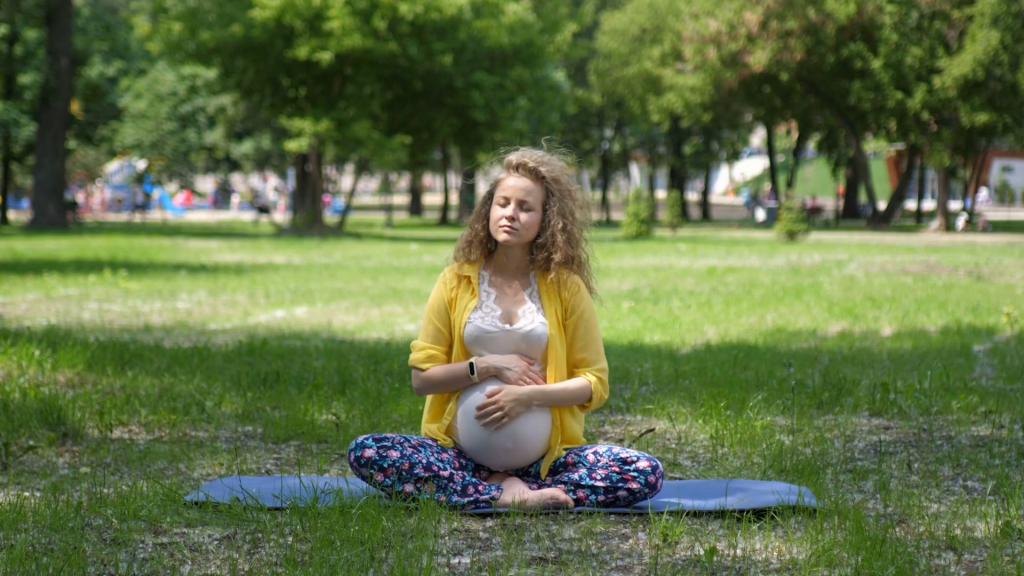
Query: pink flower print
378, 477
405, 466
369, 453
600, 483
444, 473
591, 459
393, 453
622, 493
581, 495
633, 484
408, 488
643, 464
600, 498
469, 489
616, 469
652, 480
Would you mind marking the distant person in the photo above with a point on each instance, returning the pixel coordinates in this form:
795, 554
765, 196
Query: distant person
510, 360
983, 197
261, 203
140, 196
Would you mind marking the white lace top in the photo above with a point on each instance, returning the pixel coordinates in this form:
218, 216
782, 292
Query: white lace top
524, 440
486, 333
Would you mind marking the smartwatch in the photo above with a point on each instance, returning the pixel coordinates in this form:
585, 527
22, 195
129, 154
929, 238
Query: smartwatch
473, 374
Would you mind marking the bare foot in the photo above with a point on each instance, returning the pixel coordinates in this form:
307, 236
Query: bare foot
516, 494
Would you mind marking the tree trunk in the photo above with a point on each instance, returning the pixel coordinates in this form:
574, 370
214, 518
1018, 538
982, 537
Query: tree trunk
445, 166
677, 166
307, 211
360, 167
467, 194
385, 192
922, 171
416, 192
798, 150
942, 202
49, 178
975, 182
864, 170
705, 196
653, 195
606, 176
10, 79
773, 170
851, 205
895, 206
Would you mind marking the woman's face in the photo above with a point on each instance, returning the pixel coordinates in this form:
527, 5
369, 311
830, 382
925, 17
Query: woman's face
517, 211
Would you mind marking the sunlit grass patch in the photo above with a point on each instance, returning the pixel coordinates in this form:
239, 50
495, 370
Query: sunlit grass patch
137, 361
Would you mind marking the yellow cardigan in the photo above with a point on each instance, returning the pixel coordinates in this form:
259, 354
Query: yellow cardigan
574, 349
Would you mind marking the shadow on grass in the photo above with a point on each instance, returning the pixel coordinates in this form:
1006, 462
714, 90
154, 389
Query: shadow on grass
225, 230
316, 387
114, 267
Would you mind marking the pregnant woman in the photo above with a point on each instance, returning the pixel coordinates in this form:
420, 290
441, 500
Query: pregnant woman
510, 359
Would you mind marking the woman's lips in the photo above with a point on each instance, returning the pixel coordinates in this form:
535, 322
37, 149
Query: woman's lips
506, 228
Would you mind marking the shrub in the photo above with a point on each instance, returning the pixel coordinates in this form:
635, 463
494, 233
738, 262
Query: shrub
674, 206
638, 222
1004, 192
792, 222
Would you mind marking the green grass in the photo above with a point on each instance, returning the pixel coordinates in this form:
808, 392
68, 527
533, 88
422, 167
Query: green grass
815, 178
881, 370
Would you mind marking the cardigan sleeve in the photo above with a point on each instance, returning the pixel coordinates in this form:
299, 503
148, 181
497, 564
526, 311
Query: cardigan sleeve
433, 347
584, 346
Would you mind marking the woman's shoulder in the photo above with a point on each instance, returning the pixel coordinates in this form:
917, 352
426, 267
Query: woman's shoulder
458, 274
565, 281
457, 269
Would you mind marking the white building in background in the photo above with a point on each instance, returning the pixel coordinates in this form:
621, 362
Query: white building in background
1003, 174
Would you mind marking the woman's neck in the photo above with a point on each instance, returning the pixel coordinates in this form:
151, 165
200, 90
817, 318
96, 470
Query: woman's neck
510, 261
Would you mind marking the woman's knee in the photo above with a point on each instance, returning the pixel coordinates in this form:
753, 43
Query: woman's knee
651, 473
370, 451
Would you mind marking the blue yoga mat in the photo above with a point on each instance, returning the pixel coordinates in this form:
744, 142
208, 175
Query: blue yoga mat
676, 495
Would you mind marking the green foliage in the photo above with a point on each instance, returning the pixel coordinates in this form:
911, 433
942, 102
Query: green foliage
1005, 194
674, 209
792, 223
175, 117
639, 221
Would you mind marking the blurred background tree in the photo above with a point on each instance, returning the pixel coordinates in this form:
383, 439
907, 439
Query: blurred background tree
633, 87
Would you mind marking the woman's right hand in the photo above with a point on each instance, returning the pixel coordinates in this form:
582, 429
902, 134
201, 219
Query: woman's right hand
513, 369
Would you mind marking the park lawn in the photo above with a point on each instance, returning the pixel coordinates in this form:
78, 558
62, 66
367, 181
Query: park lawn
815, 178
881, 370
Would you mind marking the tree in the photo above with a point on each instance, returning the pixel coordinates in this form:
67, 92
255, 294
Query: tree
172, 117
49, 178
270, 54
975, 97
23, 55
650, 57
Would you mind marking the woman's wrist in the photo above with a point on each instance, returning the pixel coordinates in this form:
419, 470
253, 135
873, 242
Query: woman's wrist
484, 368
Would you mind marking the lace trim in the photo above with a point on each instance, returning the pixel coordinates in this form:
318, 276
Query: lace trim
488, 313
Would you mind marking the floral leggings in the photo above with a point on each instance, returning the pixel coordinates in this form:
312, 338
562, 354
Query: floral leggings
414, 466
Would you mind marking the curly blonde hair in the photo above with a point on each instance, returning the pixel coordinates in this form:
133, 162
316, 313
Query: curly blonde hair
561, 243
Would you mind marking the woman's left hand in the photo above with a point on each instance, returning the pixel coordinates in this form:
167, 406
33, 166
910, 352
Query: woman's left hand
503, 405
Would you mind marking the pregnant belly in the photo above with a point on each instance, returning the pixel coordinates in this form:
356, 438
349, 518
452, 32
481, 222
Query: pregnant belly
516, 444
